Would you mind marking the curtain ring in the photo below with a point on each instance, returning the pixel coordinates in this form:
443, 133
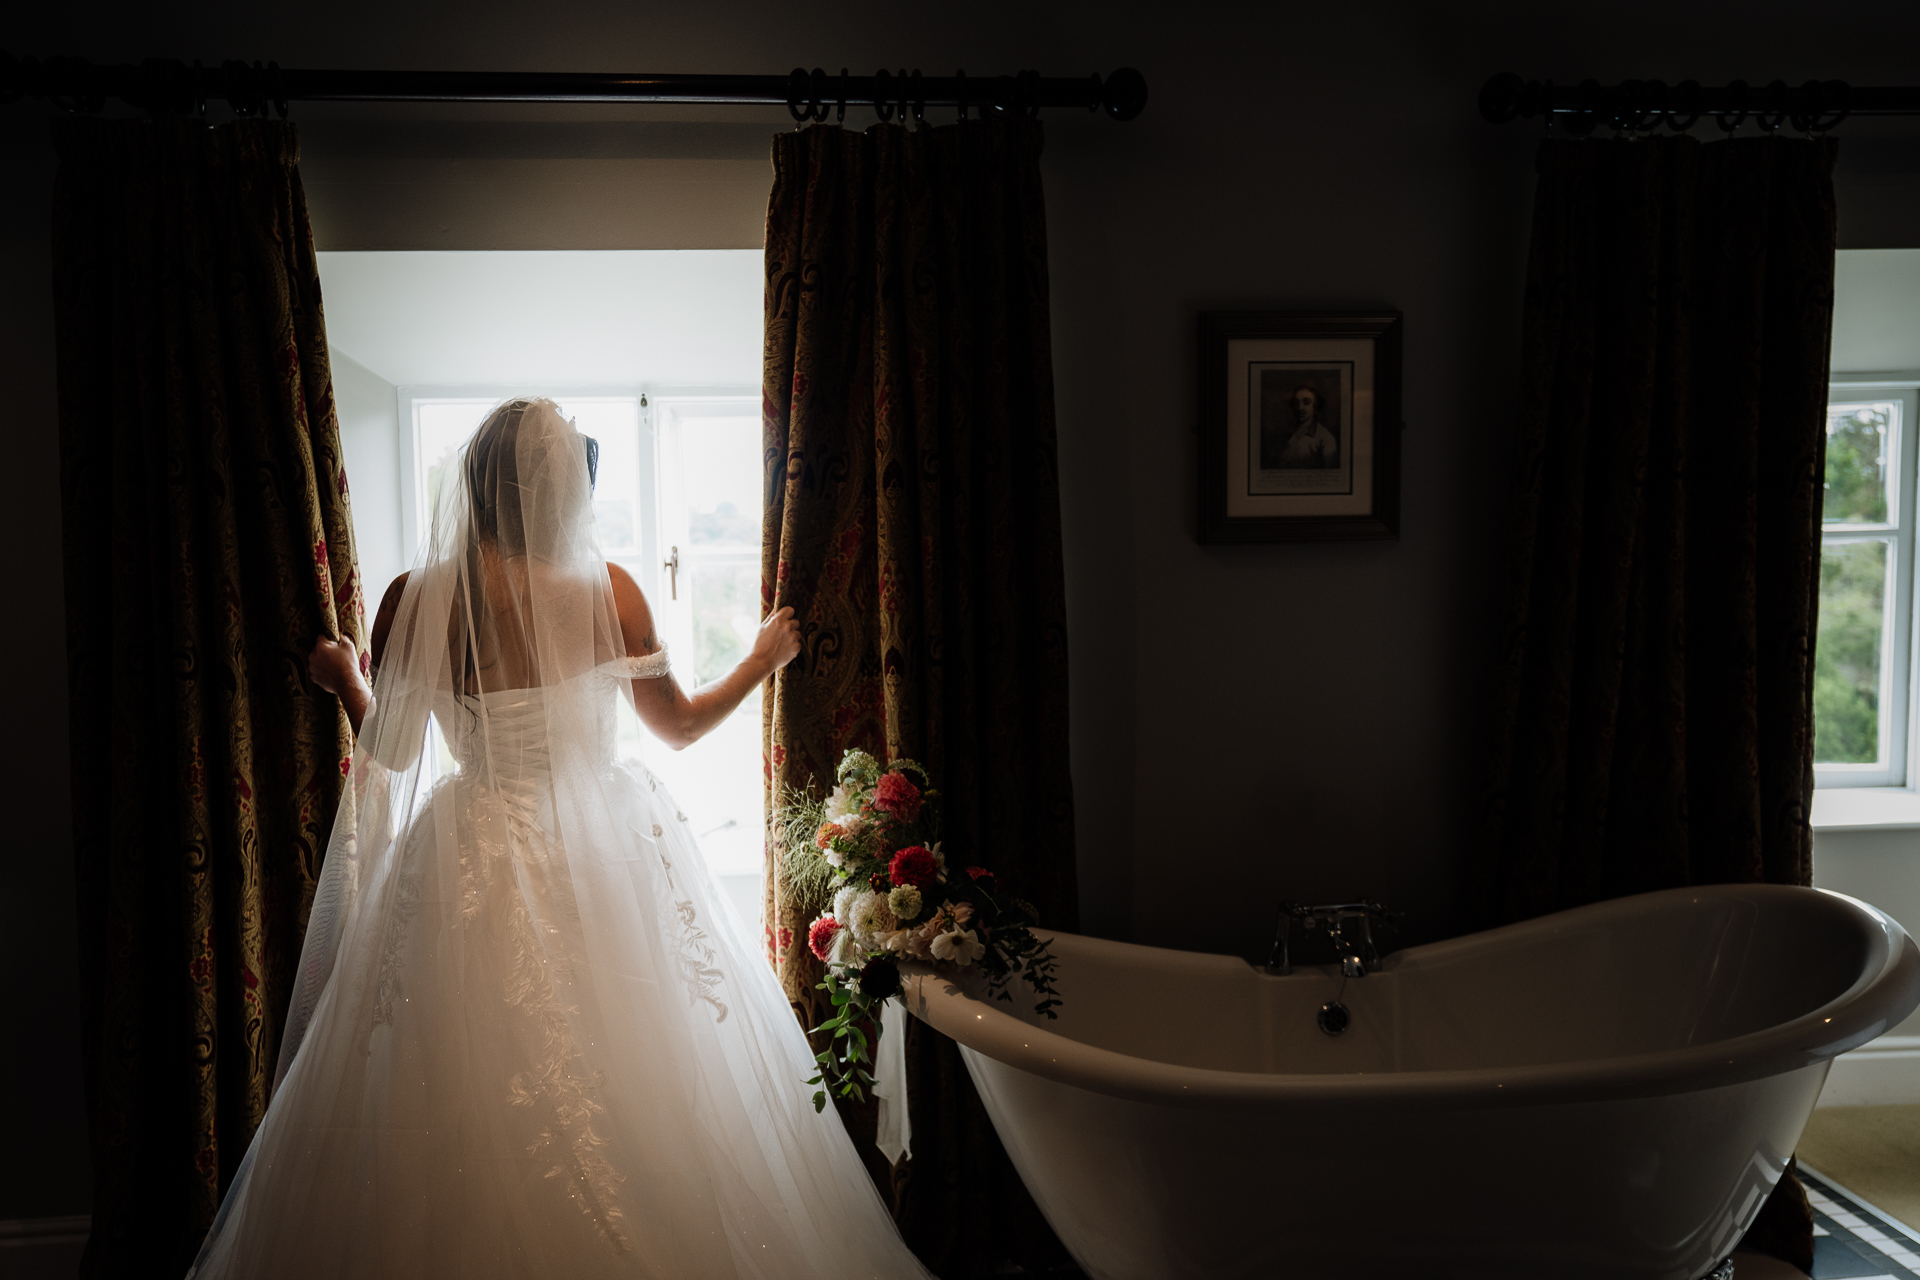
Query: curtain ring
807, 94
1823, 105
1585, 118
1778, 106
1686, 97
1030, 94
1737, 90
1095, 98
960, 91
840, 113
1617, 115
797, 94
919, 102
882, 104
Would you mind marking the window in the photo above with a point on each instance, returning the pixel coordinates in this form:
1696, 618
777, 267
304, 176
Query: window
707, 603
1863, 683
677, 503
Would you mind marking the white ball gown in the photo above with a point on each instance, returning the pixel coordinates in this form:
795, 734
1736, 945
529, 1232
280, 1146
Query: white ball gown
520, 1044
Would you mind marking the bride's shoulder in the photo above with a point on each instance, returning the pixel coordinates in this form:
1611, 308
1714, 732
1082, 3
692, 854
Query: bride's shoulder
383, 617
630, 604
627, 594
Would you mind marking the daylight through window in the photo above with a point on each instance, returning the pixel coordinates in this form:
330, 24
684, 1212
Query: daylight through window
1861, 680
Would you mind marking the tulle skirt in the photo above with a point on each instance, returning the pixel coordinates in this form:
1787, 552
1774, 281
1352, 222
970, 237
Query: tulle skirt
537, 1052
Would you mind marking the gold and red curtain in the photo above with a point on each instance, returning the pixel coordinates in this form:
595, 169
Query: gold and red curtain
913, 523
207, 542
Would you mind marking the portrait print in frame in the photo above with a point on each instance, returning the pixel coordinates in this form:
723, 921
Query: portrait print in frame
1295, 441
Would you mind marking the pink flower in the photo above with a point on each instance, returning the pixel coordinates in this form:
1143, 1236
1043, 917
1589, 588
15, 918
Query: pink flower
897, 796
820, 936
980, 873
912, 865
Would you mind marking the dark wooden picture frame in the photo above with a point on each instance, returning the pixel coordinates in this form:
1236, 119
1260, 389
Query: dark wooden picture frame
1336, 376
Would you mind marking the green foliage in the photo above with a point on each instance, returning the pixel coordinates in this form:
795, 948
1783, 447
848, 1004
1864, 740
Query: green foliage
725, 525
1853, 585
808, 879
1846, 673
721, 593
1856, 481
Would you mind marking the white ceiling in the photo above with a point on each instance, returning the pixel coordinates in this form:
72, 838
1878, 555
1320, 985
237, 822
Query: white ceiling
542, 320
1876, 311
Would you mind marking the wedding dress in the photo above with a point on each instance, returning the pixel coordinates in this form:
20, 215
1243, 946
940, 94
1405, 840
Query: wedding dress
521, 1043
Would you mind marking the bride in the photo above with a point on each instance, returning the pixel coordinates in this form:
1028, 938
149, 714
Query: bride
520, 1043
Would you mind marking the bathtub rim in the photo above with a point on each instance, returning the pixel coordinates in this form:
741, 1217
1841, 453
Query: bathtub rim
1889, 976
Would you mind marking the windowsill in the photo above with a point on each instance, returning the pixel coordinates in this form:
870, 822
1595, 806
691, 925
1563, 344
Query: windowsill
1865, 808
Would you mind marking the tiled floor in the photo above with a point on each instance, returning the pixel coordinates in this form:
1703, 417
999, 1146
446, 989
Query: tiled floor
1854, 1242
1873, 1151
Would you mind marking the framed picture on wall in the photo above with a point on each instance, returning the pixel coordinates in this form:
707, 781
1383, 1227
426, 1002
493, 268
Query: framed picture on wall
1299, 426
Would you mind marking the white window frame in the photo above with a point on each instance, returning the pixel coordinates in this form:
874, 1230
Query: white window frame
668, 414
1899, 760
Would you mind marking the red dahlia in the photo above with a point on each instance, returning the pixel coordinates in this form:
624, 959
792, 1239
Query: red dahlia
913, 865
897, 796
820, 936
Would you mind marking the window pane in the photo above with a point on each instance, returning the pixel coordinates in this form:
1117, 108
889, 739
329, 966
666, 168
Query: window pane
617, 510
445, 425
1857, 437
726, 614
723, 482
1846, 675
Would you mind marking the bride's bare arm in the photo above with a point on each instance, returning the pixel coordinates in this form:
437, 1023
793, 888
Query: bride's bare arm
335, 667
677, 718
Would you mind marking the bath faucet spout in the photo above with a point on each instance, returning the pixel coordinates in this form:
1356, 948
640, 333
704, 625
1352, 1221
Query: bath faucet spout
1349, 927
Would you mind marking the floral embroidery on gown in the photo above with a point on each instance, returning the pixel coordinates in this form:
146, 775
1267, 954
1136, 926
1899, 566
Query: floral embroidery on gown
520, 1045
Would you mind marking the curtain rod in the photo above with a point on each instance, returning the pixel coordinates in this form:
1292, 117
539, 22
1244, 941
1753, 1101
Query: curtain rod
169, 87
1634, 105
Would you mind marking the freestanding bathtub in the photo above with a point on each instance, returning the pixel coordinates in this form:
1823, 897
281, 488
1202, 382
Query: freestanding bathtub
1609, 1092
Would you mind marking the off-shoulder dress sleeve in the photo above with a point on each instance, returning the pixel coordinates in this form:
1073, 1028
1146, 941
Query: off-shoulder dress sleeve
649, 666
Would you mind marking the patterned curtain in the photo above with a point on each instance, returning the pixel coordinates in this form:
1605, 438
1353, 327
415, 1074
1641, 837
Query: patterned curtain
1656, 710
208, 541
913, 522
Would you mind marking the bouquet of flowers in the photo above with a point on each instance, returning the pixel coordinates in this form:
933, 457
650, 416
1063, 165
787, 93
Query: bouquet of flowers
872, 850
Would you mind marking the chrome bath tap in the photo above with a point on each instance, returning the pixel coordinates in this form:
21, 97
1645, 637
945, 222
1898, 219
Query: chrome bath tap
1349, 927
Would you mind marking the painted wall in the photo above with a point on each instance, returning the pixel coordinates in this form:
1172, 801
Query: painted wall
1250, 722
370, 438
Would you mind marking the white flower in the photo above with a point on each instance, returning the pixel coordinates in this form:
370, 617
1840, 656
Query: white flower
834, 857
904, 902
897, 941
871, 921
845, 951
939, 858
840, 803
843, 903
959, 946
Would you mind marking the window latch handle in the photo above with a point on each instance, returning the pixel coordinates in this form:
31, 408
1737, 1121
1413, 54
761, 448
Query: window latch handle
672, 565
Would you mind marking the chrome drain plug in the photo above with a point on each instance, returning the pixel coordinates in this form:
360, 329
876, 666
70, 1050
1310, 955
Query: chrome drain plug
1334, 1017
